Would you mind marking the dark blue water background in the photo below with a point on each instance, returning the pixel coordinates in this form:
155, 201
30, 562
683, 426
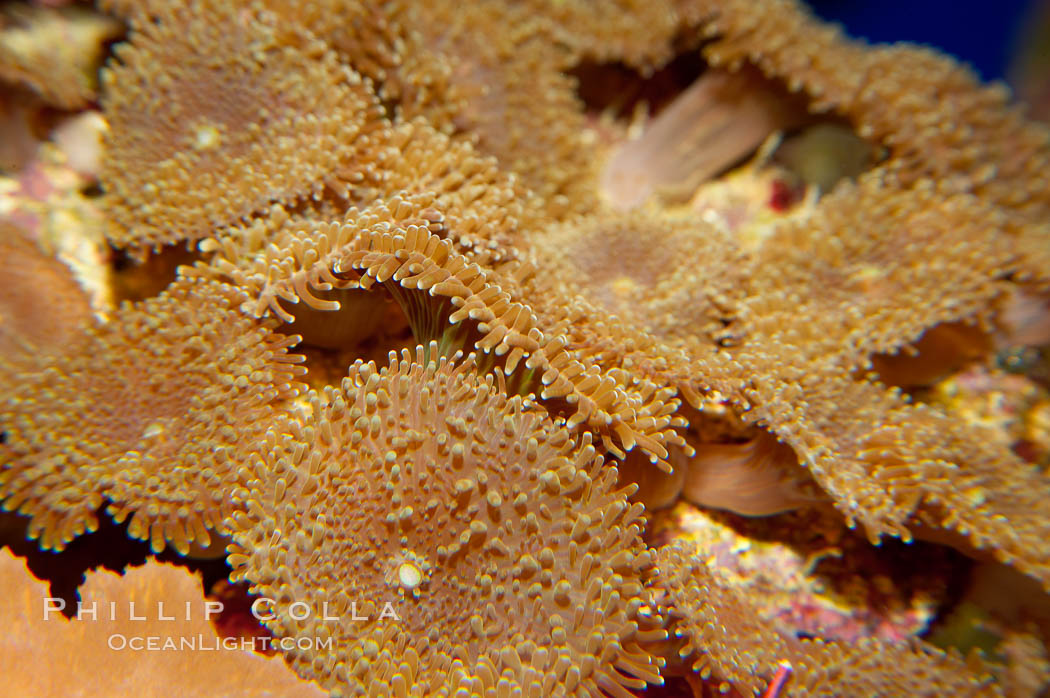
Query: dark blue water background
979, 32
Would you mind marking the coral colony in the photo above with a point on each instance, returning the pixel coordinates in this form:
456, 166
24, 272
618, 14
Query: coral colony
535, 348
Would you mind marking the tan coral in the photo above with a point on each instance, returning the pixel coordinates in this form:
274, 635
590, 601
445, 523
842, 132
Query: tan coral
937, 121
641, 34
728, 640
410, 79
42, 307
853, 279
758, 477
672, 276
215, 113
457, 68
496, 538
789, 338
360, 32
415, 171
934, 115
45, 654
784, 332
484, 209
505, 92
625, 411
645, 296
55, 51
864, 269
638, 295
395, 243
154, 413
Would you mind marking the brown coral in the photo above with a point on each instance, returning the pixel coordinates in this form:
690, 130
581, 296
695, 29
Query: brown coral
499, 540
504, 91
670, 276
727, 639
787, 334
460, 174
55, 51
933, 114
401, 242
41, 306
861, 286
154, 413
215, 113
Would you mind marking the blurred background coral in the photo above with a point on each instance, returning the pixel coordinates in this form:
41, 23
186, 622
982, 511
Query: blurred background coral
1003, 40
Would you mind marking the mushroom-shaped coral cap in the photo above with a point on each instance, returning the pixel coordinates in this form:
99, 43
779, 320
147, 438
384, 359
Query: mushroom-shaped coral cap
41, 304
670, 276
728, 638
55, 51
154, 412
216, 111
510, 559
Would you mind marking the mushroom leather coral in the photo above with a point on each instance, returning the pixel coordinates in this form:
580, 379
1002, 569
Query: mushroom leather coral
41, 306
968, 136
849, 281
154, 413
445, 156
511, 559
406, 241
55, 51
726, 638
215, 113
786, 333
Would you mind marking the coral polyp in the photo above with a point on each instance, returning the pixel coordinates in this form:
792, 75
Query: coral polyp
534, 348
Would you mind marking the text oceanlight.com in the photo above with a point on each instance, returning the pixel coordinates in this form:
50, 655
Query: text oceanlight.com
203, 643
